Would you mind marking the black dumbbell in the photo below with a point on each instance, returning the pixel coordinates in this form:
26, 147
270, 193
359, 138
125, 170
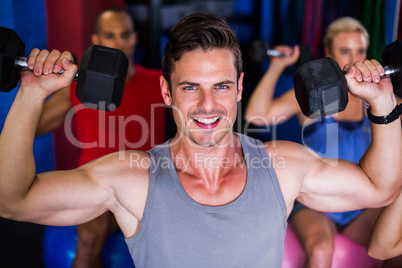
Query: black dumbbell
100, 79
259, 52
392, 62
321, 87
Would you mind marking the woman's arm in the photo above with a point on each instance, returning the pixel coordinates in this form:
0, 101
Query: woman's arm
262, 109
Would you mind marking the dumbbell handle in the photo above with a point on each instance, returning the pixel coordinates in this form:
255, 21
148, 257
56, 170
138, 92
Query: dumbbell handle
22, 64
276, 53
389, 71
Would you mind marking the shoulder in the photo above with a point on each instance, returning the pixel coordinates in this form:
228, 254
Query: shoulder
285, 148
292, 163
119, 166
286, 154
126, 175
298, 158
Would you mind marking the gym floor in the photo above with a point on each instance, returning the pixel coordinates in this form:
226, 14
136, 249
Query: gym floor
20, 244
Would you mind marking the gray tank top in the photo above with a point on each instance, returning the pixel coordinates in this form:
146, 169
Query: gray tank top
176, 231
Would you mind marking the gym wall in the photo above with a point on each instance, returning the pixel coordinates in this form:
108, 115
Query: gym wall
27, 18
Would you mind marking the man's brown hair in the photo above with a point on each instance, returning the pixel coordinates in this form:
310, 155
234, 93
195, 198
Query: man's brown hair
204, 31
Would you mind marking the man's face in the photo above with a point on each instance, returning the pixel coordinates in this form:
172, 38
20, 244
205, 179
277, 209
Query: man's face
347, 48
116, 31
205, 92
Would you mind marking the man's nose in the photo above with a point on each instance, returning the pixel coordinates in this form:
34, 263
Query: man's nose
206, 101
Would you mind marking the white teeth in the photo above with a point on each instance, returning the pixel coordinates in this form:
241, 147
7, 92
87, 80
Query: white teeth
207, 121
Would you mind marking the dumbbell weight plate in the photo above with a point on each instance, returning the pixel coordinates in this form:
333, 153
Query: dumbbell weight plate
392, 56
11, 46
320, 88
101, 78
258, 51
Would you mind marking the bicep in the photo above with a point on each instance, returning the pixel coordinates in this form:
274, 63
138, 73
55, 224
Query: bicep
333, 185
117, 182
65, 198
323, 184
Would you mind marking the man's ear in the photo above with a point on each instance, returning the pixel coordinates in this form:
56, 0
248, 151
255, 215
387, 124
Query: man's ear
240, 87
95, 39
166, 94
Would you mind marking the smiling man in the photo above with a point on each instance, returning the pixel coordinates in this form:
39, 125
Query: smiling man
208, 197
205, 94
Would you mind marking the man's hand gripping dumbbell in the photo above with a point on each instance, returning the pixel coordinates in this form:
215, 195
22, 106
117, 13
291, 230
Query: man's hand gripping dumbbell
321, 88
100, 78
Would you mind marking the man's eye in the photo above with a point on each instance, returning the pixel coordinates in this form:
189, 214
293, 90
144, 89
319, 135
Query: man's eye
344, 51
222, 87
126, 35
109, 36
190, 88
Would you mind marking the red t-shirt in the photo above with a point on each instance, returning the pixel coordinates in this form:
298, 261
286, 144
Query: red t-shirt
139, 122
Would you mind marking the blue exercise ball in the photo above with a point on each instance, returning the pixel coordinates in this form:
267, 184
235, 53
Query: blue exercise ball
59, 246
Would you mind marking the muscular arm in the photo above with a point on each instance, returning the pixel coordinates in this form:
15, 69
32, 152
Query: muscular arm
54, 111
62, 197
262, 109
77, 196
386, 238
333, 185
17, 170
